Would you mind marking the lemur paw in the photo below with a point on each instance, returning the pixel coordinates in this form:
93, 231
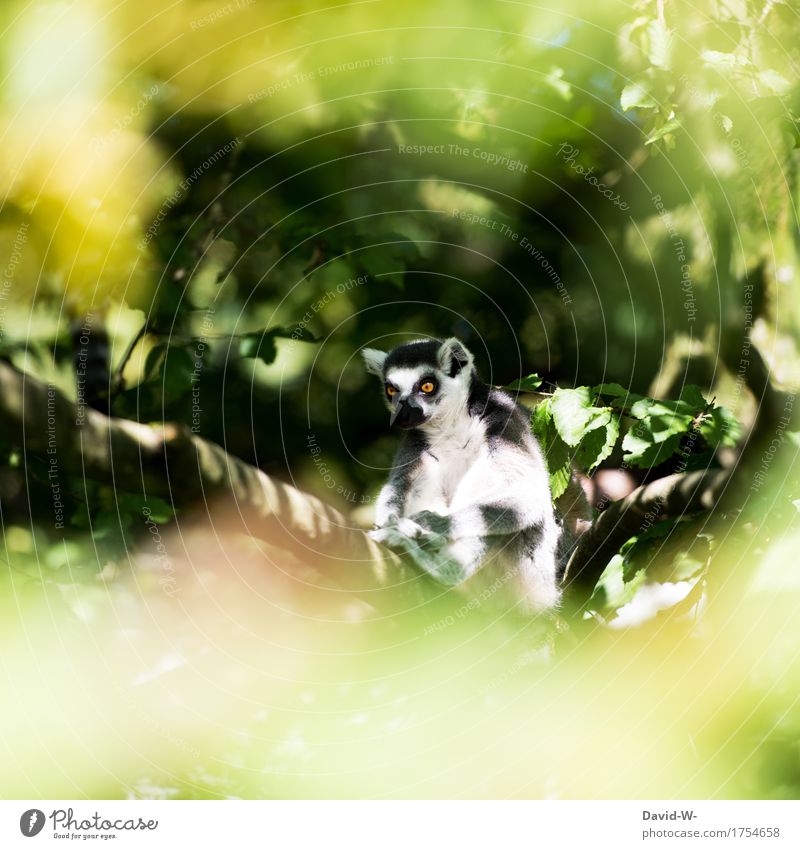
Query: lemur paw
434, 524
399, 532
380, 535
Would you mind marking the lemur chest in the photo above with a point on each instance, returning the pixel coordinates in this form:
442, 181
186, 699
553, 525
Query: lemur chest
446, 467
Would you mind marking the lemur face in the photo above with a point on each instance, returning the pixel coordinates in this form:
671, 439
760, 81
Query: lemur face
425, 382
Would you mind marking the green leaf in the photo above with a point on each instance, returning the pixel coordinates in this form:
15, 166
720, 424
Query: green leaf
693, 396
655, 437
642, 449
722, 62
612, 590
177, 371
612, 390
525, 384
668, 550
659, 38
775, 82
158, 510
555, 80
719, 427
663, 131
556, 452
636, 96
541, 420
574, 414
154, 358
598, 444
67, 553
672, 416
621, 398
560, 478
689, 563
725, 122
260, 347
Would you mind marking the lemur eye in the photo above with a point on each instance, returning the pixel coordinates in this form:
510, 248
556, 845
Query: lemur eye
391, 391
428, 387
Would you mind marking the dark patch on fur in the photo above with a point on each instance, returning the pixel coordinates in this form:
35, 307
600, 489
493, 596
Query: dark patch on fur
435, 523
499, 519
458, 359
507, 421
413, 445
413, 354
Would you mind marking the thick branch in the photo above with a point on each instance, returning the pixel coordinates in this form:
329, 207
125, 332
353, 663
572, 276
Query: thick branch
170, 462
668, 497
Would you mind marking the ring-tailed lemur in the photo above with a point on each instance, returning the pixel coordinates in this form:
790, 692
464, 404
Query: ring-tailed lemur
468, 497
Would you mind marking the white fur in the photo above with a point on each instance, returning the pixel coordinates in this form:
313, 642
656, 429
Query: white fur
459, 475
374, 360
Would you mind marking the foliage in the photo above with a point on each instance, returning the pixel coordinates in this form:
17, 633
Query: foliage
589, 420
229, 202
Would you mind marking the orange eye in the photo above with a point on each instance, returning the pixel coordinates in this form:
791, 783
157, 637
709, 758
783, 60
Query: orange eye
391, 391
427, 387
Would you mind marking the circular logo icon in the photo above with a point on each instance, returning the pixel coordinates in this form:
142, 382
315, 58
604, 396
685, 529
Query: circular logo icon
31, 822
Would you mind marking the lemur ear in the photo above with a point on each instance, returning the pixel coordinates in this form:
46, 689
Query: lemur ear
453, 356
374, 360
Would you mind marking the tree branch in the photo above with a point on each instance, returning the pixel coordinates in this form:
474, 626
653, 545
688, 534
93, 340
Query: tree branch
170, 462
668, 497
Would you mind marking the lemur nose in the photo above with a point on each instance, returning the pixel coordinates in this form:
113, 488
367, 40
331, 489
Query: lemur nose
400, 414
407, 414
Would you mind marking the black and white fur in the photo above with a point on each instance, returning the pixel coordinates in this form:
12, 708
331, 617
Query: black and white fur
468, 496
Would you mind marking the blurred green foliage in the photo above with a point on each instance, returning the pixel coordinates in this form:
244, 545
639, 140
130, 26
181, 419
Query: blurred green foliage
244, 196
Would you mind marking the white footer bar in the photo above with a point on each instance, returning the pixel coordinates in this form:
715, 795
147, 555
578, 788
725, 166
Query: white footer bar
403, 824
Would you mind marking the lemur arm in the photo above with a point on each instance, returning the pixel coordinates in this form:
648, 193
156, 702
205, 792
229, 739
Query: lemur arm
392, 498
389, 505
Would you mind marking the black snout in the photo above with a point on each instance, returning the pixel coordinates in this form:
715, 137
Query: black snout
407, 414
